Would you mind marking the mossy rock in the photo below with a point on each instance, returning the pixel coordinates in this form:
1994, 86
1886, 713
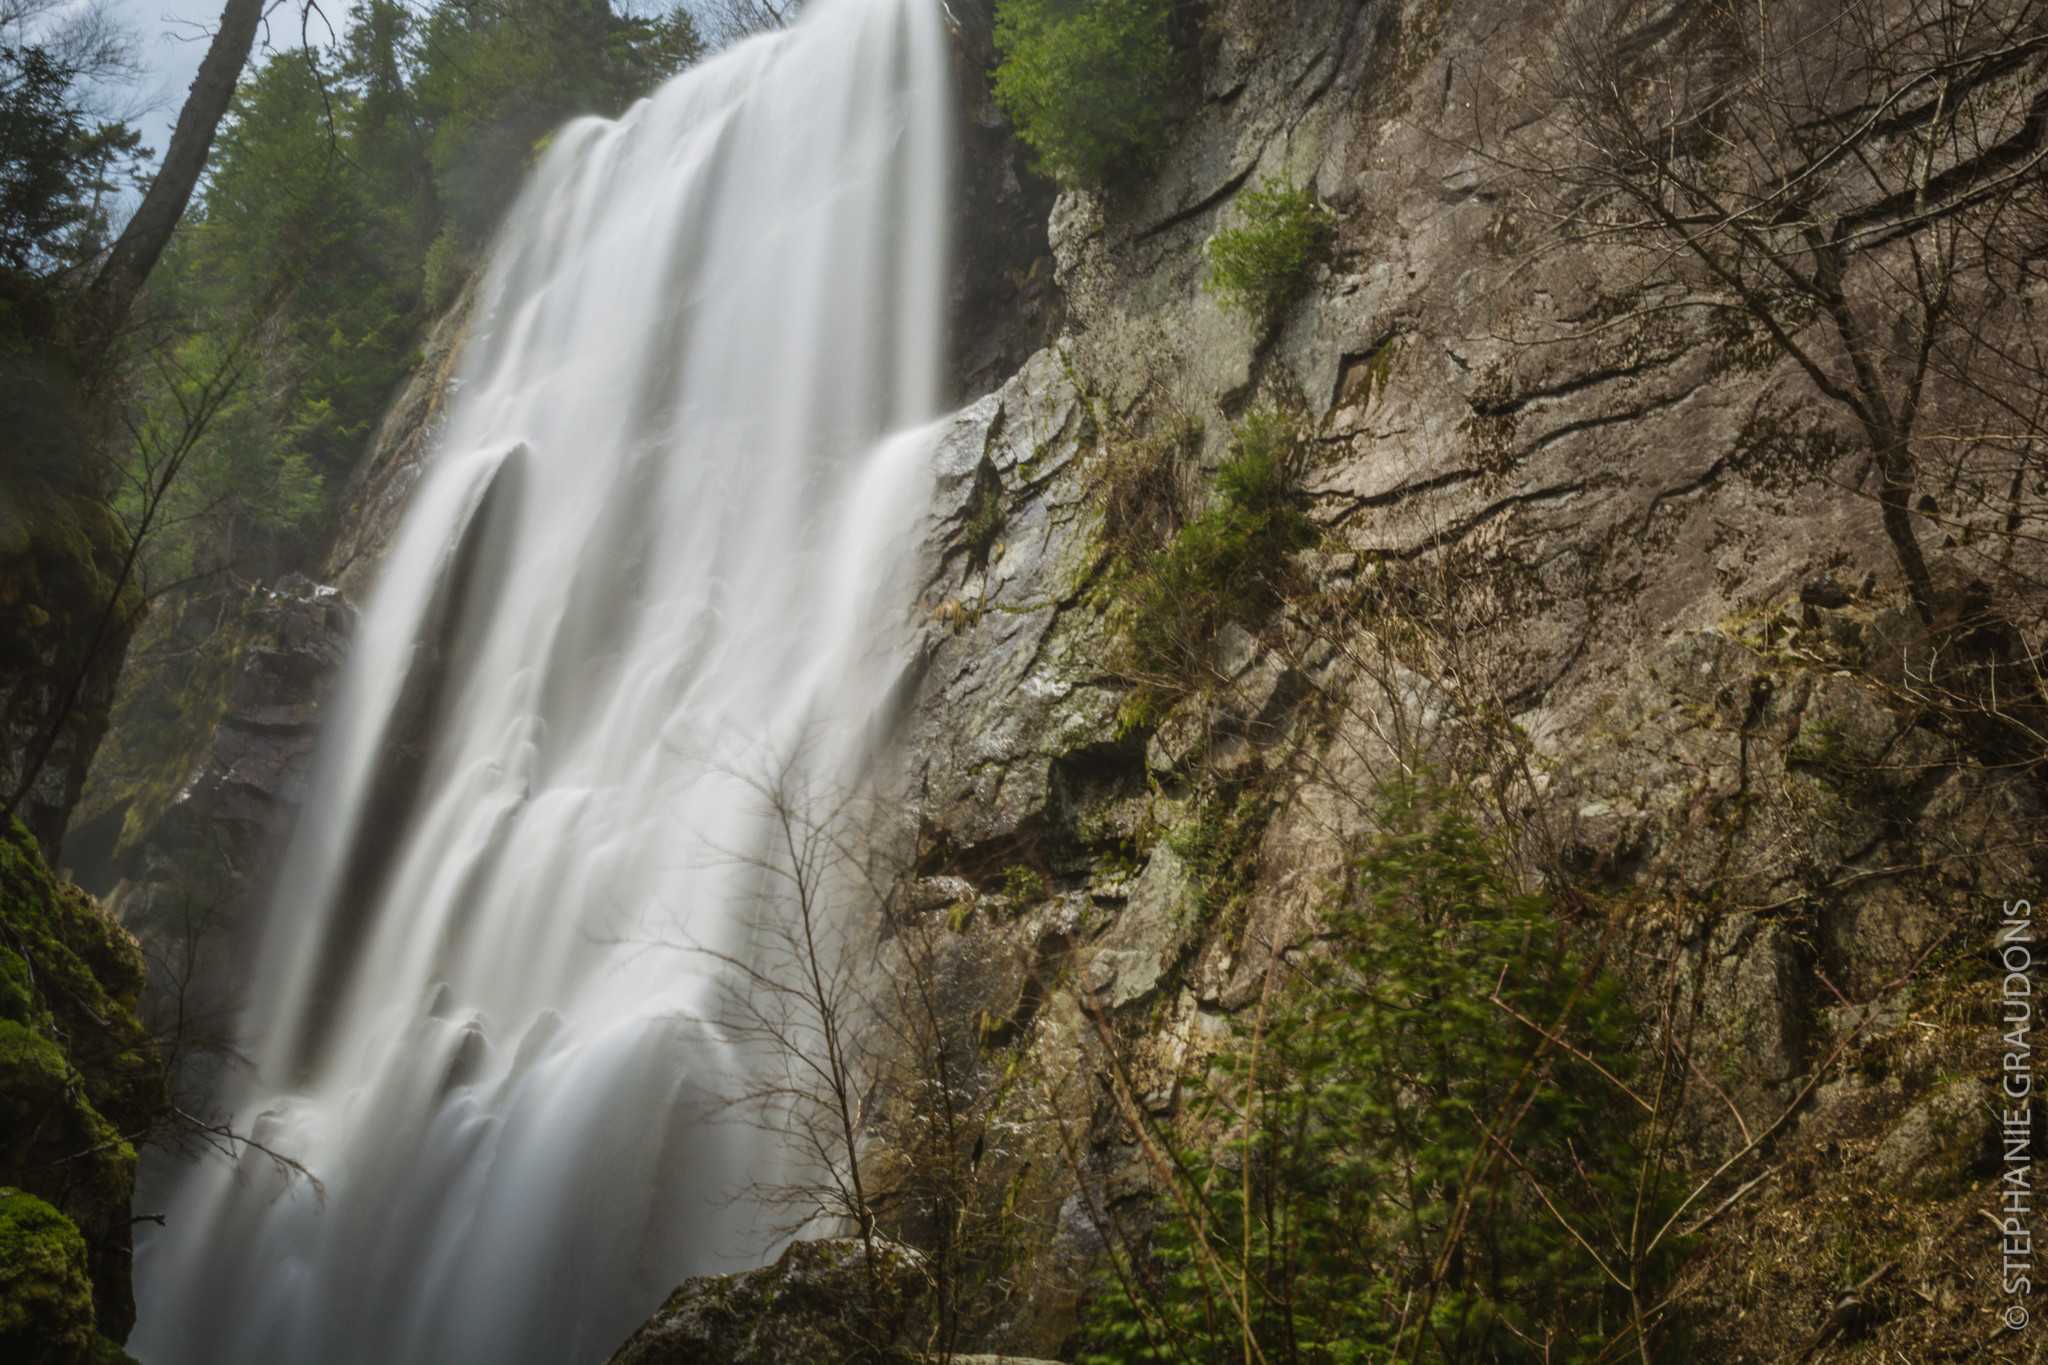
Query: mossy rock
105, 1352
816, 1303
79, 1074
66, 964
32, 1077
46, 1315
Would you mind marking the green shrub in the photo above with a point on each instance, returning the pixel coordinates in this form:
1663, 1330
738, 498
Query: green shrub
1396, 1156
1088, 82
1226, 563
1261, 266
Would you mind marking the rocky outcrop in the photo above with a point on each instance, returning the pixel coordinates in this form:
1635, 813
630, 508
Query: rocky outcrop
821, 1301
196, 792
1717, 715
80, 1084
64, 631
399, 451
1004, 303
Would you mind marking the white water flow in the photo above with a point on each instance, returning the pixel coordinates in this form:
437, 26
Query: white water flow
664, 550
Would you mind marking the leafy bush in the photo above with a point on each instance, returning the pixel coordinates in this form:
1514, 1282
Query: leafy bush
1089, 83
1225, 563
1406, 1170
1261, 266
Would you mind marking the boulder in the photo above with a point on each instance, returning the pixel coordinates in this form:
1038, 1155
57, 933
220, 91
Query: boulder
814, 1306
1942, 1141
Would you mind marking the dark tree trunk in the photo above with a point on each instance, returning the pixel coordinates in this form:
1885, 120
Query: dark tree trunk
149, 231
1894, 495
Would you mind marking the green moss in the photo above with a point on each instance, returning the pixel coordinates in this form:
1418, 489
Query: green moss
79, 1075
105, 1352
1023, 885
45, 1291
60, 559
1265, 263
32, 1077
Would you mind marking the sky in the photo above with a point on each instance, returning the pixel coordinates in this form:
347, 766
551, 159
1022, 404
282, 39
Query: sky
171, 38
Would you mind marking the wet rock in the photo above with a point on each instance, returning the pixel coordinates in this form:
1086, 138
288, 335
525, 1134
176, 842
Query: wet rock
1011, 681
817, 1303
1749, 997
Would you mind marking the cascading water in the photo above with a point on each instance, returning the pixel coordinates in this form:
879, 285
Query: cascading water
662, 550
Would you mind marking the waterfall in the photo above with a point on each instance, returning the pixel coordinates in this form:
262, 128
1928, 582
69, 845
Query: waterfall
663, 551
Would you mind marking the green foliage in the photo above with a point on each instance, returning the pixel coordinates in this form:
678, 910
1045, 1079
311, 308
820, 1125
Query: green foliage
45, 1292
1023, 885
347, 201
1227, 563
1394, 1152
495, 77
58, 168
1090, 83
1265, 263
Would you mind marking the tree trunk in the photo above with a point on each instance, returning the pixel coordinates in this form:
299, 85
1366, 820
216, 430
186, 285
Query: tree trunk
128, 265
1894, 495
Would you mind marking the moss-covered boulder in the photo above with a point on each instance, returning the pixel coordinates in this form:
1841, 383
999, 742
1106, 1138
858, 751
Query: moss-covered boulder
33, 1074
80, 1078
46, 1313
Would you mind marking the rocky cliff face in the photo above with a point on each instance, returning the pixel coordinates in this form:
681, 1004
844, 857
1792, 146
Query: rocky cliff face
1696, 676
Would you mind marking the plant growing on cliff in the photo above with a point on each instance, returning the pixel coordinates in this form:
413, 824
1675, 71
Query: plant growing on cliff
1267, 261
1227, 563
1399, 1162
1089, 82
